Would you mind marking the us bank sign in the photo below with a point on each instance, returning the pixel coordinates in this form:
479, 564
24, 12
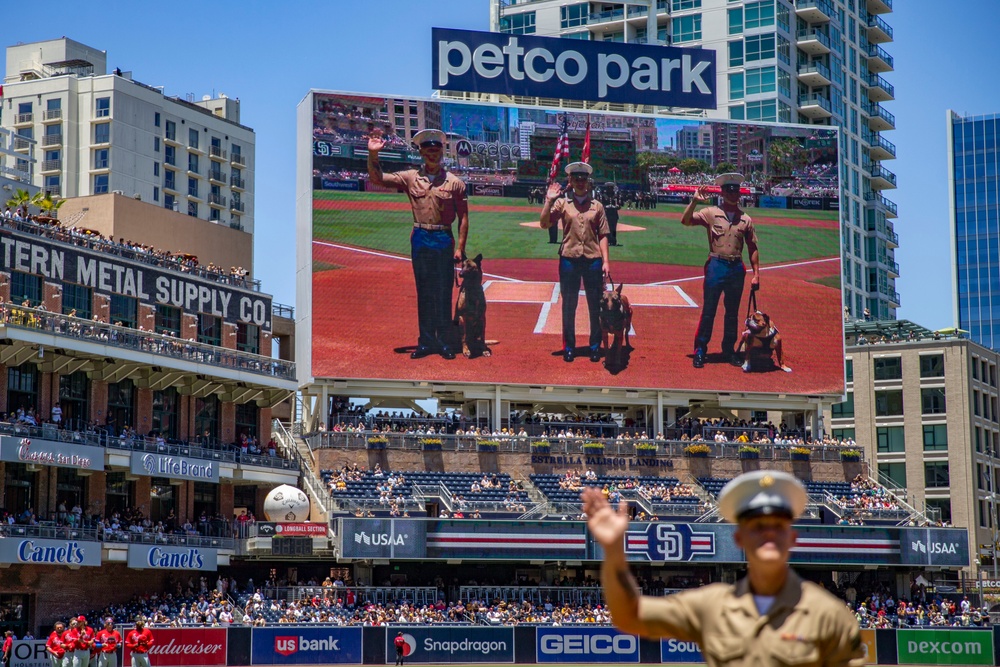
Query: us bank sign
177, 467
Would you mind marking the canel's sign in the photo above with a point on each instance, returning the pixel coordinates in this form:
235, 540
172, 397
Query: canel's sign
488, 62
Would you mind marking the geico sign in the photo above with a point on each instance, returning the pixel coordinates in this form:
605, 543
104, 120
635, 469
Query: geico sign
950, 648
589, 644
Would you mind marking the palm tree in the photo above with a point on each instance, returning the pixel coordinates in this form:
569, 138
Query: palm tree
49, 206
20, 198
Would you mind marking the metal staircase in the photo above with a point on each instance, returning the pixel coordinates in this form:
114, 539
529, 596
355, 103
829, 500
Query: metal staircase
298, 449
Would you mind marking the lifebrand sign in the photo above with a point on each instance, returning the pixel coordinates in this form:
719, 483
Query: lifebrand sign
51, 453
177, 467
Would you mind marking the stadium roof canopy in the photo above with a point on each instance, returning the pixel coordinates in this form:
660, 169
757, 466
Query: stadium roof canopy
875, 329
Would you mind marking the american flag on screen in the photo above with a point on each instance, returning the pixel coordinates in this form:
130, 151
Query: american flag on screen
562, 150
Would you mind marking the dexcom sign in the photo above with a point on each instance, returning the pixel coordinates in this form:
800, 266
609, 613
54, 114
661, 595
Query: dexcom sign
487, 62
578, 645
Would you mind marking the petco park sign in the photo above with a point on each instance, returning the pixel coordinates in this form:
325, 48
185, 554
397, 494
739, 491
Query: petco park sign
487, 62
178, 467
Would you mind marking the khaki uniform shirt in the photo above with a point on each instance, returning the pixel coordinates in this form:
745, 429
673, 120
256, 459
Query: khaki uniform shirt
725, 238
583, 225
436, 202
805, 626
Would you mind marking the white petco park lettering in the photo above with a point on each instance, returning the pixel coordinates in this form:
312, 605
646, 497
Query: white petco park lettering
589, 644
613, 70
464, 645
176, 561
174, 648
952, 648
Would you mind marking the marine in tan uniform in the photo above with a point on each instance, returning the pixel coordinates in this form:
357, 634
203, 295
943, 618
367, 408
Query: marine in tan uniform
583, 253
729, 229
772, 617
437, 199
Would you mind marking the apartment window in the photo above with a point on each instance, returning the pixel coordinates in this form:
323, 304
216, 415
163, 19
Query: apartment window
849, 370
760, 80
932, 365
103, 105
102, 133
170, 155
54, 104
975, 403
193, 209
156, 144
170, 180
100, 184
889, 403
758, 14
78, 298
168, 320
156, 118
171, 130
936, 474
932, 401
737, 112
214, 215
682, 5
736, 53
888, 368
518, 24
574, 15
193, 138
165, 410
192, 187
845, 409
156, 193
124, 310
248, 338
759, 47
736, 21
935, 437
209, 329
236, 152
736, 86
687, 28
842, 433
890, 439
895, 472
101, 158
193, 163
25, 287
169, 201
156, 169
247, 415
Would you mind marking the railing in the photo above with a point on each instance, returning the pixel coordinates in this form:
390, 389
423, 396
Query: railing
815, 68
814, 100
52, 165
287, 444
281, 310
24, 118
36, 319
417, 595
20, 143
885, 144
193, 191
876, 51
822, 5
875, 21
557, 595
612, 15
882, 201
878, 171
813, 34
217, 151
172, 539
217, 199
52, 139
565, 445
238, 183
54, 190
874, 80
52, 114
75, 238
50, 532
216, 175
238, 158
877, 111
236, 205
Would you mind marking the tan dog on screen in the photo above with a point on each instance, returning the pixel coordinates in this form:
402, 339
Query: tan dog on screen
470, 310
761, 339
616, 319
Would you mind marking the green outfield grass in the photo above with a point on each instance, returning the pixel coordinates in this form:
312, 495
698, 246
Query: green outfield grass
500, 235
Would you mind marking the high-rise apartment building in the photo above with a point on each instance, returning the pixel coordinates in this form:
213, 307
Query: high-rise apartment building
93, 132
816, 62
974, 194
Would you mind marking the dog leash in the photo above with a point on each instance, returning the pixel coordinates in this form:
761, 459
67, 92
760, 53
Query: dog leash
752, 302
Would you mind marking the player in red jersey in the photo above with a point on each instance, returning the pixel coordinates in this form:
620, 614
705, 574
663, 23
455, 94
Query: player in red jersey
138, 640
54, 646
108, 639
8, 648
84, 643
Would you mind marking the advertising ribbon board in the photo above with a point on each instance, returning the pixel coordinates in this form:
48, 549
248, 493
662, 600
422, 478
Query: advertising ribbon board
51, 453
460, 644
143, 556
29, 653
186, 647
674, 650
944, 647
176, 467
41, 551
579, 645
306, 646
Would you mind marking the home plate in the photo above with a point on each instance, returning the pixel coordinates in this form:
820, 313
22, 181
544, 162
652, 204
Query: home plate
622, 227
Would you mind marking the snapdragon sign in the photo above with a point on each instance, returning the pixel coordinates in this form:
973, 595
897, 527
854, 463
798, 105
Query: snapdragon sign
488, 62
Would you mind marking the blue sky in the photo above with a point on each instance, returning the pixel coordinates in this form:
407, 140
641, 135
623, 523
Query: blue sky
270, 54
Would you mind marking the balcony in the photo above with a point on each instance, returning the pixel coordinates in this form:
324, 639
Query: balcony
881, 149
52, 139
237, 206
51, 115
170, 185
879, 6
814, 74
24, 119
217, 176
216, 200
880, 90
878, 60
814, 11
193, 194
217, 153
171, 138
814, 106
813, 42
890, 265
879, 120
894, 297
879, 31
237, 183
238, 159
52, 165
606, 17
881, 203
891, 237
22, 144
882, 178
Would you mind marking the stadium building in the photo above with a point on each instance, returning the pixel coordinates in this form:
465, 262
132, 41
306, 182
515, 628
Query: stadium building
818, 62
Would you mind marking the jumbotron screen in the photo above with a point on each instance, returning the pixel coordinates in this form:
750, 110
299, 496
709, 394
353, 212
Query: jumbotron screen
391, 298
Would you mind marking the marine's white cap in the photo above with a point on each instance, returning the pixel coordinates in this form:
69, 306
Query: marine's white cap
762, 492
732, 178
579, 168
426, 136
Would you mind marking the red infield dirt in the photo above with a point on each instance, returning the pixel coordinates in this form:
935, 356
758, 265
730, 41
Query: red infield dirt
365, 325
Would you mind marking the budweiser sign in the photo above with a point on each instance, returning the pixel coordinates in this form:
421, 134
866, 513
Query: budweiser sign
185, 647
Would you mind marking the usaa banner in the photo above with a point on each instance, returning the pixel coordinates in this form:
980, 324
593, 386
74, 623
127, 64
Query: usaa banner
488, 62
